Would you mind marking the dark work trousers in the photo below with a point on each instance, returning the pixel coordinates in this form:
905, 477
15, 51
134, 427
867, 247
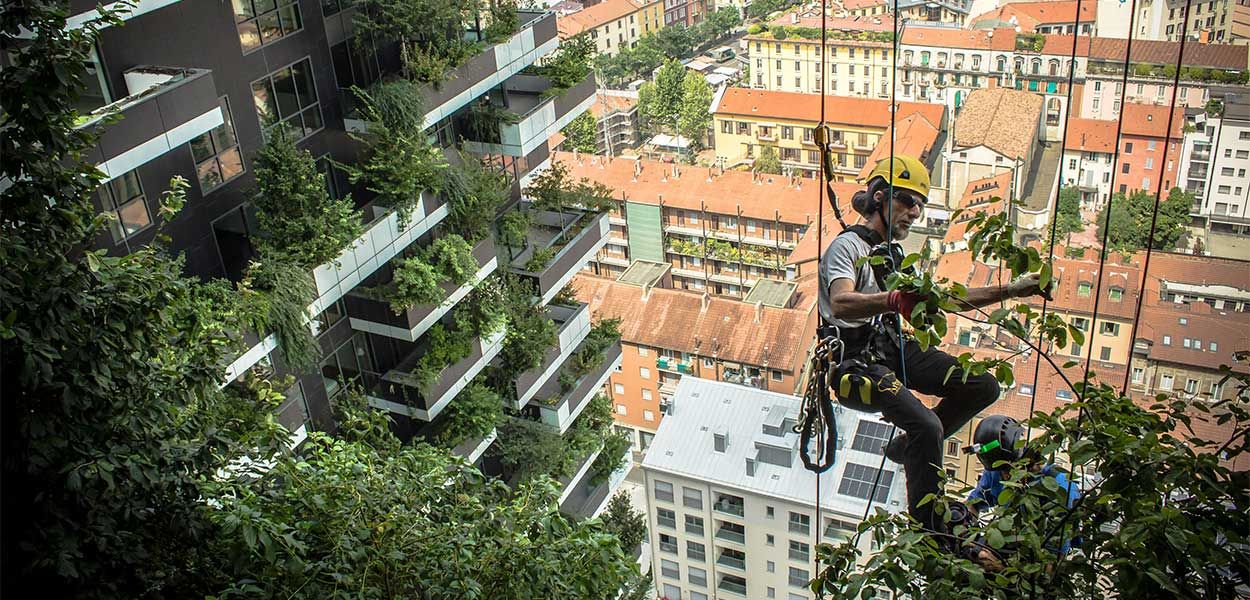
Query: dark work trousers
926, 428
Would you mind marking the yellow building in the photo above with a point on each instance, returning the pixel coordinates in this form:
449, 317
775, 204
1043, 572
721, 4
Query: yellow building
856, 68
614, 24
746, 120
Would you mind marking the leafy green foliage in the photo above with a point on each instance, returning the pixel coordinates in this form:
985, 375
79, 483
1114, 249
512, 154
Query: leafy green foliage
474, 193
1129, 219
693, 118
415, 282
430, 33
288, 289
615, 455
630, 63
301, 221
447, 346
472, 414
400, 162
503, 21
628, 524
768, 161
569, 65
763, 8
452, 257
540, 259
555, 190
530, 332
1068, 218
513, 228
110, 367
580, 134
662, 103
406, 521
1163, 518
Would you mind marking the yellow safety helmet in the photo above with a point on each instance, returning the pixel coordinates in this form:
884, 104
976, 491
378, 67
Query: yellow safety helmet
904, 172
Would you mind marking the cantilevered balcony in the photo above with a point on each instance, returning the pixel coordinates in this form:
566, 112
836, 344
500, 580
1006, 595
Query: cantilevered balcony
469, 81
589, 497
574, 324
539, 110
570, 237
472, 449
166, 108
568, 484
384, 238
86, 10
559, 402
399, 391
371, 311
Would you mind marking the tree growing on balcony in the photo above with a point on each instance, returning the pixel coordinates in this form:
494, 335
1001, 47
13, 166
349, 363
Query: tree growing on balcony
431, 33
301, 222
569, 65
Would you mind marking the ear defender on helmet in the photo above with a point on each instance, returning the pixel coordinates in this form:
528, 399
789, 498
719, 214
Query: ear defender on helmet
995, 440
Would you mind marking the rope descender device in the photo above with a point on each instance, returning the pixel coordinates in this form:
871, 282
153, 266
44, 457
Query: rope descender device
817, 418
823, 137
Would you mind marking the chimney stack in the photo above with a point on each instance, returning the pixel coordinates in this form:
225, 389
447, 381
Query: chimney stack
709, 174
759, 312
705, 301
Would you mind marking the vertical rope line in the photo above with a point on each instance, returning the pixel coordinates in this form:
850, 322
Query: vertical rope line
1054, 215
820, 249
889, 235
1154, 215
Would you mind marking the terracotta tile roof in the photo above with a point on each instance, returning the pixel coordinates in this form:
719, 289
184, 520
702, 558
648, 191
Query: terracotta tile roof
1091, 135
1222, 56
794, 106
916, 136
1228, 330
758, 197
1072, 272
1031, 14
1001, 119
1195, 270
598, 15
1149, 120
675, 320
1062, 45
877, 23
611, 103
1045, 395
857, 4
981, 195
973, 39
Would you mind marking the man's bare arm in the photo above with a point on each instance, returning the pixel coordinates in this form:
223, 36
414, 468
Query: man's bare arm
984, 296
847, 303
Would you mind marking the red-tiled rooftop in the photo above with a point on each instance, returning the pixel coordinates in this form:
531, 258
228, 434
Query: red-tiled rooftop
1091, 135
591, 17
874, 23
980, 195
703, 188
611, 103
1149, 120
1003, 38
916, 136
1222, 56
1029, 15
676, 320
795, 106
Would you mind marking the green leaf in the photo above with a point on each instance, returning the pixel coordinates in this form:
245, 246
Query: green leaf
909, 260
1043, 277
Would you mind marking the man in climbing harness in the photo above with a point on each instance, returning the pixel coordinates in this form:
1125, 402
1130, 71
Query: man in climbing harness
884, 365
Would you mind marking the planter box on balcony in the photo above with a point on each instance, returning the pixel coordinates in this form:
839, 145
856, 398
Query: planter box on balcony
473, 448
384, 238
540, 117
586, 233
567, 484
587, 500
574, 325
536, 38
167, 107
398, 392
374, 315
560, 410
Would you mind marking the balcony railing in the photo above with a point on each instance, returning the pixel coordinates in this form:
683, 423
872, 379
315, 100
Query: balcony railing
573, 325
166, 108
576, 235
588, 498
399, 392
473, 448
730, 535
536, 38
732, 587
560, 409
732, 562
672, 364
371, 310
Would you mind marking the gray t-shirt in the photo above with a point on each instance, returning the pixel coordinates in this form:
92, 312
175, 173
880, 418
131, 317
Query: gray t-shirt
838, 262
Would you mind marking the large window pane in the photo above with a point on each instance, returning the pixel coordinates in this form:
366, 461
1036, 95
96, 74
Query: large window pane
284, 92
266, 109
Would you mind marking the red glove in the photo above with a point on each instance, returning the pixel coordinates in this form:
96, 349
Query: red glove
902, 302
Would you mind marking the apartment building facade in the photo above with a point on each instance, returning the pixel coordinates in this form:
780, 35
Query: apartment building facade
732, 511
1226, 205
854, 67
718, 231
616, 121
669, 334
1088, 159
745, 120
1149, 78
996, 130
224, 75
614, 24
1055, 17
1149, 151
